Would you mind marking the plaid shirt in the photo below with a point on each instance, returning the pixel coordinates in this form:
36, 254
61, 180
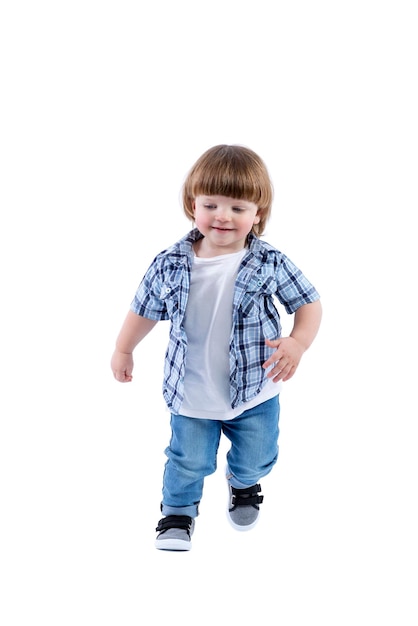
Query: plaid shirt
264, 273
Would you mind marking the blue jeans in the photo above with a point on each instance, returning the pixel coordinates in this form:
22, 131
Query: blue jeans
193, 451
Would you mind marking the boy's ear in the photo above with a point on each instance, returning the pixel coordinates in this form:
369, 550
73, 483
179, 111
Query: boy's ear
257, 218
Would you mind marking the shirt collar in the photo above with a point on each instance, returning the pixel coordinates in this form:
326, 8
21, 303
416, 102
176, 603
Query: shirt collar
185, 246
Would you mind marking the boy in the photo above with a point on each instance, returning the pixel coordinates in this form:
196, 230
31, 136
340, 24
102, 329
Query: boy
226, 358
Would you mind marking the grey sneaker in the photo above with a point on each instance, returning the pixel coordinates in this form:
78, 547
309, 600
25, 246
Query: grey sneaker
175, 533
243, 509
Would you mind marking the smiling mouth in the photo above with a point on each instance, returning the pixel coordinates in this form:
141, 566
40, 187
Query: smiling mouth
226, 230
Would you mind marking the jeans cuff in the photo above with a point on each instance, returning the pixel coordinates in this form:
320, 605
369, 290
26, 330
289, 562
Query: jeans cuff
191, 510
234, 482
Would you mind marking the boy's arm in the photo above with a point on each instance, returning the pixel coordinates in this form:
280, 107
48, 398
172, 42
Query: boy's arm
290, 349
133, 330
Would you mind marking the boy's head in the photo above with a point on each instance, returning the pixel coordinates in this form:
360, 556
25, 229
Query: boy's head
232, 171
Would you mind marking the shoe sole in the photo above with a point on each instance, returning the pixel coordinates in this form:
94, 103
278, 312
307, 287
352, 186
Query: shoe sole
239, 527
177, 545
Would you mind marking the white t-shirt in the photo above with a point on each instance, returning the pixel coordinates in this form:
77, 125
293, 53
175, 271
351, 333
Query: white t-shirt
208, 325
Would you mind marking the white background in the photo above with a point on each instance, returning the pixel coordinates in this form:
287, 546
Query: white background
104, 107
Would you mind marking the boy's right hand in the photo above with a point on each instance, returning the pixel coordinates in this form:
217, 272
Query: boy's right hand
122, 365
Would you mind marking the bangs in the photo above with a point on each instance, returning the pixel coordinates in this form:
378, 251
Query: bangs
232, 173
232, 184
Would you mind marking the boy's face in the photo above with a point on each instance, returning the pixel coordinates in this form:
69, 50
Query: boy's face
224, 222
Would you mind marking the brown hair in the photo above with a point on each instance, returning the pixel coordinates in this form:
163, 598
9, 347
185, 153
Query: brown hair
232, 171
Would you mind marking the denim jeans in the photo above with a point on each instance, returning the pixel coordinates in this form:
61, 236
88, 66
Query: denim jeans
193, 448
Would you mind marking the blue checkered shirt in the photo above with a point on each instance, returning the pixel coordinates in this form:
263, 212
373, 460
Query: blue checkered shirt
264, 273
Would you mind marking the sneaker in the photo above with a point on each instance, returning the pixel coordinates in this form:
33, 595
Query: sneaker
243, 509
175, 533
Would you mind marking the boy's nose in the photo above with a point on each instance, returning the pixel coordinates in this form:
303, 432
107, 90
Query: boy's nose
223, 215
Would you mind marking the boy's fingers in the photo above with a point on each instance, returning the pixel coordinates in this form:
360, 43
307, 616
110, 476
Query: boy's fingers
273, 342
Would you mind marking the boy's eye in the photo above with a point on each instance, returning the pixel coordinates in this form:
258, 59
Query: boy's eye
211, 207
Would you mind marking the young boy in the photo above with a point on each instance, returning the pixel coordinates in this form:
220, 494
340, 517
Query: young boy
226, 358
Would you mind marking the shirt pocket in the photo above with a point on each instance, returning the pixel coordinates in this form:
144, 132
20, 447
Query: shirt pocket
260, 287
171, 294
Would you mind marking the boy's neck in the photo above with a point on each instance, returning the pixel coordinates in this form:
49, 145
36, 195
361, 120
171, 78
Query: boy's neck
204, 251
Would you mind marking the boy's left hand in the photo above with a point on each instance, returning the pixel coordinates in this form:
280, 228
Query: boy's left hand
286, 358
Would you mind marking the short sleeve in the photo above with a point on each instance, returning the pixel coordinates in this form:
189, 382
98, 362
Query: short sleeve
147, 301
294, 289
